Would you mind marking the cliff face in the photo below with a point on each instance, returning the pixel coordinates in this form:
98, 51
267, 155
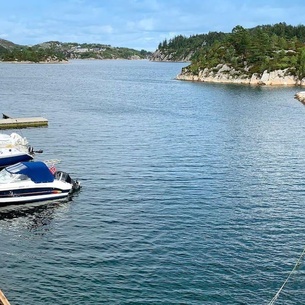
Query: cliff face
226, 74
159, 55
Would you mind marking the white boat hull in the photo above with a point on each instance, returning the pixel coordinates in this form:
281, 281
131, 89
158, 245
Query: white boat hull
34, 193
10, 156
14, 149
19, 199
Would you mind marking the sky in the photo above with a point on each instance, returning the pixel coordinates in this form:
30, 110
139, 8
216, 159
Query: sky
136, 24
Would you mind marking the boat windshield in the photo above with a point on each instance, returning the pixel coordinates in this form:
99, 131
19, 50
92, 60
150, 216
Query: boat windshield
6, 177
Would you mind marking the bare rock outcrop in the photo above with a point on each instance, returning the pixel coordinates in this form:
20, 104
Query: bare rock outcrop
223, 73
300, 96
158, 55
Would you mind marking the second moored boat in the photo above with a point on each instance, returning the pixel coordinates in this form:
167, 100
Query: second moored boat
14, 149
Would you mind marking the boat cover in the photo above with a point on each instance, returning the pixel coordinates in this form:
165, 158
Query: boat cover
37, 171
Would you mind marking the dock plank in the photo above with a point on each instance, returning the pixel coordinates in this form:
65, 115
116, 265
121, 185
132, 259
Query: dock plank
23, 122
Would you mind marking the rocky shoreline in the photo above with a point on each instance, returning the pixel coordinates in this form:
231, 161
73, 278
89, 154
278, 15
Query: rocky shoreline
300, 96
226, 74
34, 62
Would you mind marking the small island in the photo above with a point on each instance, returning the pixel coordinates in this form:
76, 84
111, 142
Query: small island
272, 55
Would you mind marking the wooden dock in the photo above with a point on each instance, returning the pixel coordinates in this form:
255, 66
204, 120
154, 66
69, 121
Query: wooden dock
9, 123
3, 299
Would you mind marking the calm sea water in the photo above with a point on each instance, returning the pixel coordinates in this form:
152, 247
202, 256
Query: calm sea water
192, 193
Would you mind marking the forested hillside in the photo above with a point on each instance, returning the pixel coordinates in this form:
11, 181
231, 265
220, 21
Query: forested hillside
182, 48
266, 47
30, 54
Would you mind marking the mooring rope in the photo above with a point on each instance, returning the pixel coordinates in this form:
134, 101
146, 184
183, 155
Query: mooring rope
297, 264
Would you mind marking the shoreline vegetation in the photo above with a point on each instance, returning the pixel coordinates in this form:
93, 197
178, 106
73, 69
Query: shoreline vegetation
37, 62
58, 62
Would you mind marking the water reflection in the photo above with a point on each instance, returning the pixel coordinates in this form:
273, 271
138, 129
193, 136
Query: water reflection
37, 218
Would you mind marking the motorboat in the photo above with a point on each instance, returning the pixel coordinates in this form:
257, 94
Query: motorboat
27, 182
14, 149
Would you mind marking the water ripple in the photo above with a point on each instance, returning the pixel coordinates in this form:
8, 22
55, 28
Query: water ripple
192, 193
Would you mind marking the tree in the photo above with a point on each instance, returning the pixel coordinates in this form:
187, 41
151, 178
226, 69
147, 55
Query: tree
301, 63
240, 39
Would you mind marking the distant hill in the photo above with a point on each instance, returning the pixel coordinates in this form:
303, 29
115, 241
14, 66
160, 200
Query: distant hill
55, 51
7, 44
73, 50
